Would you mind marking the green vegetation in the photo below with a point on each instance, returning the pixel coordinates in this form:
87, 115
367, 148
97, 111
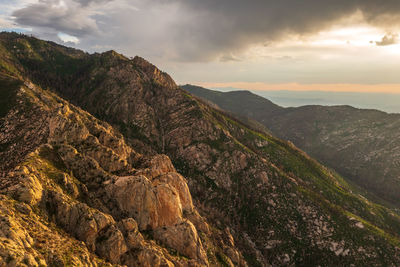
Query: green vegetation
359, 144
8, 91
318, 183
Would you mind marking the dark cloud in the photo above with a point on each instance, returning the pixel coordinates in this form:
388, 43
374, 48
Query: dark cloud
74, 17
388, 39
235, 24
197, 30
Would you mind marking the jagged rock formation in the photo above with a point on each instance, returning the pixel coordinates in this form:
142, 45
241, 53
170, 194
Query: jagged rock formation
84, 179
249, 198
362, 145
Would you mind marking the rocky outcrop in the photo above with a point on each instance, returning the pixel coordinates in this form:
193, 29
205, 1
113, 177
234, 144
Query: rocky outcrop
180, 184
96, 229
83, 179
27, 187
26, 239
151, 206
184, 238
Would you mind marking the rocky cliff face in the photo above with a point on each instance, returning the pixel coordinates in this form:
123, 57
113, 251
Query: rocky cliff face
248, 197
79, 181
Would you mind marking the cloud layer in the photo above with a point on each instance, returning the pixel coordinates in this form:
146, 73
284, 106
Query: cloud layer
193, 30
73, 17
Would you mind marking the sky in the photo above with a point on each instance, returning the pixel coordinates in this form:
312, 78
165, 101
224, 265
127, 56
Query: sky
300, 45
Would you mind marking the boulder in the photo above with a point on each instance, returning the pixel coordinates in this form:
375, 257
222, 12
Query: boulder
184, 238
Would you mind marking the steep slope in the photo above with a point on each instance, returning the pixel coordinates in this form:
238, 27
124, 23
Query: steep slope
67, 177
258, 193
362, 145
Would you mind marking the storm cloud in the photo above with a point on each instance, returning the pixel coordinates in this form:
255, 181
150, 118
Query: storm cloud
73, 17
193, 30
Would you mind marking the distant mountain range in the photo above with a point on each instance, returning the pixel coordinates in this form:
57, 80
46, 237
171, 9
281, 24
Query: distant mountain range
362, 145
105, 161
388, 102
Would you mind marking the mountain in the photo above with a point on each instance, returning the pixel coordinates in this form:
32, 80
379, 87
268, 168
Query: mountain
67, 177
105, 160
238, 102
74, 193
362, 145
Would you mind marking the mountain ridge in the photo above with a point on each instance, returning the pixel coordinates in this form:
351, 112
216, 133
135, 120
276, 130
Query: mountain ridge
265, 201
325, 131
73, 181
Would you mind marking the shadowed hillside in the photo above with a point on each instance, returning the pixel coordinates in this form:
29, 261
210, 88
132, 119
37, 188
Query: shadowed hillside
362, 145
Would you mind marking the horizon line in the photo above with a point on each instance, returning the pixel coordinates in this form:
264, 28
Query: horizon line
339, 87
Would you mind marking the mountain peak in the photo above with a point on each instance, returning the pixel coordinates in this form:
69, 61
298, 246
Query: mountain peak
113, 53
232, 101
153, 72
